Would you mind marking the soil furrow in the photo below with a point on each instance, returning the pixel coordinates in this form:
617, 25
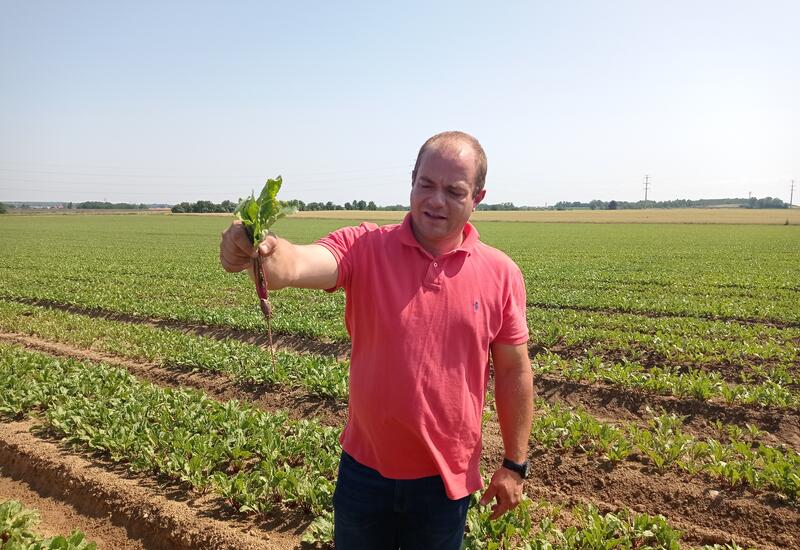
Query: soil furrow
59, 518
160, 518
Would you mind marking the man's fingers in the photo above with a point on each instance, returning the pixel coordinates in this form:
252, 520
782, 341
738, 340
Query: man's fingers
490, 493
498, 510
267, 246
231, 264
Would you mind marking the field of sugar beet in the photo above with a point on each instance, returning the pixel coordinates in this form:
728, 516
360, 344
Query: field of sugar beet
139, 405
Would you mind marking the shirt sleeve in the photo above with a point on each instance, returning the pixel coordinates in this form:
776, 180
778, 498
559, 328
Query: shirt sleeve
514, 330
341, 243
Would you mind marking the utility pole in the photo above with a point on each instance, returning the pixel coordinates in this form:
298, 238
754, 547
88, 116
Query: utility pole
646, 187
791, 194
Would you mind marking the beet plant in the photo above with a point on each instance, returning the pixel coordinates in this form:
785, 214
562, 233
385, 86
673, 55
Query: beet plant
257, 216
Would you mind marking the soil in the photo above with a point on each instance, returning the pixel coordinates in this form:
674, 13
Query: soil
59, 518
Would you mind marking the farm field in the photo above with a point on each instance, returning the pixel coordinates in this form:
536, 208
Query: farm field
135, 385
655, 215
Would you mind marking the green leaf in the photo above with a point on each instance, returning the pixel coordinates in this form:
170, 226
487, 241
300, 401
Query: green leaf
259, 215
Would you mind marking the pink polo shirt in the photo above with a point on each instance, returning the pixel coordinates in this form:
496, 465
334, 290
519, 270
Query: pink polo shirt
421, 328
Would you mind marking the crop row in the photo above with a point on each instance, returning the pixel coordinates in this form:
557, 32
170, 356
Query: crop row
17, 531
774, 391
318, 374
673, 340
739, 461
168, 267
325, 376
253, 459
588, 529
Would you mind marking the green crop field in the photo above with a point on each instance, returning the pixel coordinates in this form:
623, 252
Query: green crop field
666, 361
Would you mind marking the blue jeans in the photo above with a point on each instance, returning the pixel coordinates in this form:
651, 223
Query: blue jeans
371, 512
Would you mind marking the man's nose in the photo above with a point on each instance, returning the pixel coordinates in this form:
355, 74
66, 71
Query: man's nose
437, 198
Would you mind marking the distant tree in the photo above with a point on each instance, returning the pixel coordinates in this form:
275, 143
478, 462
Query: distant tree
612, 205
348, 206
69, 205
3, 208
361, 205
371, 206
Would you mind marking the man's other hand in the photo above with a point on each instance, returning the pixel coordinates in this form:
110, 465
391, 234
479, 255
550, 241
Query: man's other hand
506, 487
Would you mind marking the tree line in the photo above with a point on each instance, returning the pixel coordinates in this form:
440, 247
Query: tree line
752, 202
205, 207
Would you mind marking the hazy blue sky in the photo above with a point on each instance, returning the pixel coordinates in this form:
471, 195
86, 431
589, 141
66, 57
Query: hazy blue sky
172, 101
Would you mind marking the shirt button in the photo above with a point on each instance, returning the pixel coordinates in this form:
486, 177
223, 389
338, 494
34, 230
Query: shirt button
435, 264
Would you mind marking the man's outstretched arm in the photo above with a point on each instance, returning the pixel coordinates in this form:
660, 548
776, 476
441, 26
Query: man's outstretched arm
286, 264
513, 394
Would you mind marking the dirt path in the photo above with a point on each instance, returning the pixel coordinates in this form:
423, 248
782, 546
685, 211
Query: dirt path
149, 515
58, 518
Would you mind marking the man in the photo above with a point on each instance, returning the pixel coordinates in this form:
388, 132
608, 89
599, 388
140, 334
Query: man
427, 303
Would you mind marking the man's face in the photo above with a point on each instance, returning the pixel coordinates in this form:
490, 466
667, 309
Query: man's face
442, 196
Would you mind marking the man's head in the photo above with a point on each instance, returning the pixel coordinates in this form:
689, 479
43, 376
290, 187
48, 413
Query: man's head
452, 139
446, 186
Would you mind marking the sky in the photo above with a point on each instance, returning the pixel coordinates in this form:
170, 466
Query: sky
168, 101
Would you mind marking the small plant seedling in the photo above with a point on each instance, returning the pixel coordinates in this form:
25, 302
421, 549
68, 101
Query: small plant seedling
257, 216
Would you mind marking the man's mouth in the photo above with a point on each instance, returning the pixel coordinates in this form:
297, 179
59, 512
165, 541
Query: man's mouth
433, 216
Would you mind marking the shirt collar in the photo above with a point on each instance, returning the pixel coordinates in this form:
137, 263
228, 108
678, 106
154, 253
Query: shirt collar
470, 237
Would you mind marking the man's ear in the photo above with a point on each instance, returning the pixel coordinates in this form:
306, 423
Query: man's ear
476, 200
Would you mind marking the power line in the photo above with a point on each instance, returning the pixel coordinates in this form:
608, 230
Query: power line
646, 188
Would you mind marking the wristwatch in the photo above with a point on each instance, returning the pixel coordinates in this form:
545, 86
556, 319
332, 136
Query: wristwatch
521, 469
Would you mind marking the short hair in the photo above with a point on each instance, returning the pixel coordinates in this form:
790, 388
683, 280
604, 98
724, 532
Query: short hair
452, 138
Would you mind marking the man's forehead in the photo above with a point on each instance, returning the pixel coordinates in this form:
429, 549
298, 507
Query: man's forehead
458, 155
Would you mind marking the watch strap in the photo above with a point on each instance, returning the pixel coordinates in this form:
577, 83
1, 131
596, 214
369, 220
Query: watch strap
521, 469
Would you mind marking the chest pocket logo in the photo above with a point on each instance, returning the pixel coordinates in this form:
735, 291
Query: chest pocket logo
476, 306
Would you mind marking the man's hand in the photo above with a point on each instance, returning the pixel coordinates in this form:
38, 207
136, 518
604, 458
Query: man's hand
236, 251
506, 487
285, 264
